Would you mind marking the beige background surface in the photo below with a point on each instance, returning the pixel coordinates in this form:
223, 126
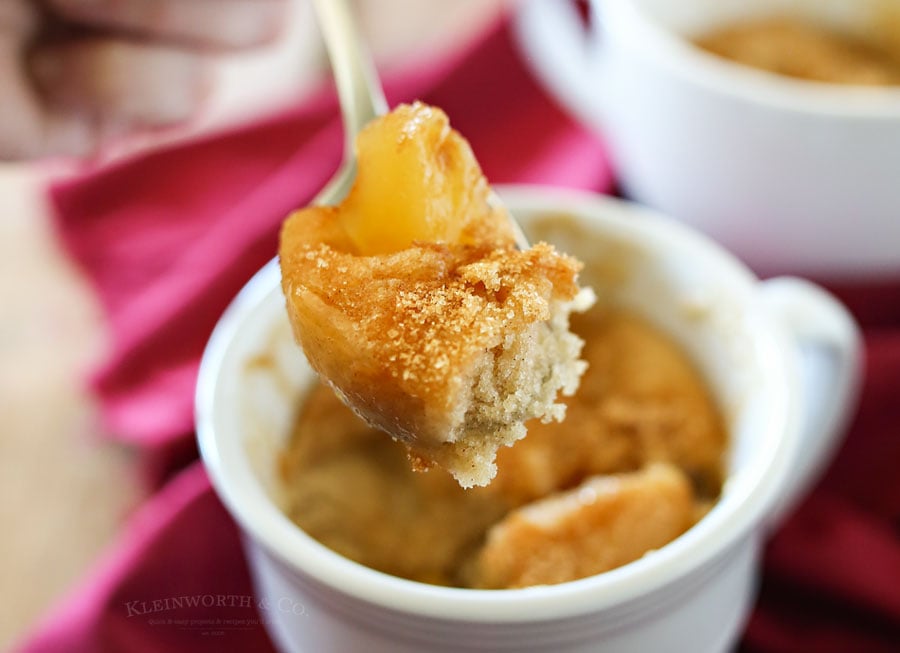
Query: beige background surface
65, 489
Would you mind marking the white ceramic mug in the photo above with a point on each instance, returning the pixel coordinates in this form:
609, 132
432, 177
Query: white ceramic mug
780, 356
793, 176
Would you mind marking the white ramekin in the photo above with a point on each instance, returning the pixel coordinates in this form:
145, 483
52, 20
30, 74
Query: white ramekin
793, 176
781, 357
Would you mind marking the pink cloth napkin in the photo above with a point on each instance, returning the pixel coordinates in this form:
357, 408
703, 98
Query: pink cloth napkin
169, 238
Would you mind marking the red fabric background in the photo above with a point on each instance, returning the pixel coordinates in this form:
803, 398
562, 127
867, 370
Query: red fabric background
168, 238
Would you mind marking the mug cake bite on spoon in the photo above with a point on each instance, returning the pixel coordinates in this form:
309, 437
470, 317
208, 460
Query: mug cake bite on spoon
413, 302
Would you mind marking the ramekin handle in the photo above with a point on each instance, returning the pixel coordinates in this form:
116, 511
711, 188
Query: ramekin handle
829, 349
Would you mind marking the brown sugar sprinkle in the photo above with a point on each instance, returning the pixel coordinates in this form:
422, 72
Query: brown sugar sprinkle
426, 310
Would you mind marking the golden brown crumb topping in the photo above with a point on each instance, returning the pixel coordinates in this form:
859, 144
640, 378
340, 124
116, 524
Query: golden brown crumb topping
796, 49
424, 312
603, 523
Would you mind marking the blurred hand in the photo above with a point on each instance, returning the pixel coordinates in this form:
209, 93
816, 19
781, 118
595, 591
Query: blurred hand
74, 73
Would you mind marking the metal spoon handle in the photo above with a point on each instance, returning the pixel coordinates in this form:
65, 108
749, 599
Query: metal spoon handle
359, 90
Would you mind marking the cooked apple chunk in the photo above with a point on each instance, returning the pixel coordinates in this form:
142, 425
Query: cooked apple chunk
412, 302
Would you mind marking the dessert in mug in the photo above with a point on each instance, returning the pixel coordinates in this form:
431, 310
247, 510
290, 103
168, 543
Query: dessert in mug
412, 301
424, 320
636, 462
794, 48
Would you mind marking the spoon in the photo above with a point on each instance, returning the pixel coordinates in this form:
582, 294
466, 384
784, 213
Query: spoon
359, 90
360, 95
